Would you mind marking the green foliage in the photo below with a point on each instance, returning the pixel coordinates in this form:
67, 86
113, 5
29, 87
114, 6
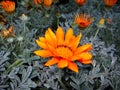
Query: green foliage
20, 69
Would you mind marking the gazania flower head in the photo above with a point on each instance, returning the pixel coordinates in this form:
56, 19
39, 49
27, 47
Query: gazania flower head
48, 3
37, 2
63, 48
8, 6
110, 3
7, 33
83, 20
80, 2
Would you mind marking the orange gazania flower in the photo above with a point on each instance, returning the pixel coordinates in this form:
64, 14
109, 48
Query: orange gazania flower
8, 6
48, 3
63, 48
7, 33
110, 3
83, 20
80, 2
37, 2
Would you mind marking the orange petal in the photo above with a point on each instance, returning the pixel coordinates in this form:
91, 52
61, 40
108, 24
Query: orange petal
60, 35
72, 39
62, 63
76, 42
51, 62
42, 39
52, 34
42, 44
10, 29
68, 35
72, 66
43, 53
64, 52
48, 3
84, 24
49, 39
86, 56
75, 57
85, 61
53, 50
83, 48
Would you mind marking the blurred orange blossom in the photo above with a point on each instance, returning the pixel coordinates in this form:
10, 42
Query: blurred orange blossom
37, 2
80, 2
7, 33
110, 3
8, 6
83, 20
48, 3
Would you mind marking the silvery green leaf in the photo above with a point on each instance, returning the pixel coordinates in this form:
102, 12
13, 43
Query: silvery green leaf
33, 74
6, 55
36, 64
47, 85
73, 79
102, 79
15, 64
7, 64
91, 81
117, 72
26, 74
34, 58
13, 72
12, 86
2, 68
24, 88
3, 86
14, 82
75, 86
30, 83
96, 70
3, 57
17, 78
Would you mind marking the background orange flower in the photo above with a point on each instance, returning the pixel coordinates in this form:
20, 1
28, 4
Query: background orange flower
7, 33
80, 2
83, 20
110, 2
48, 3
37, 2
8, 6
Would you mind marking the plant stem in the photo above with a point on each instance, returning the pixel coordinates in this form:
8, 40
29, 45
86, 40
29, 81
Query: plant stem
24, 28
11, 17
96, 34
59, 79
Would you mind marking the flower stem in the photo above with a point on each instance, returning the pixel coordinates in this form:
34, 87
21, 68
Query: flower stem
11, 17
59, 79
96, 34
24, 27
